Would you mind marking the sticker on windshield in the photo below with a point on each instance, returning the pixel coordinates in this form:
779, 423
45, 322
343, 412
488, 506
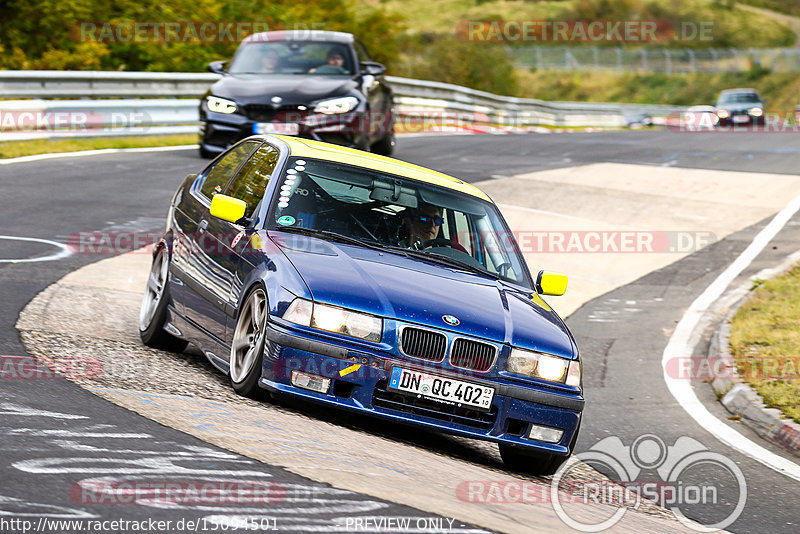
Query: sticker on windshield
299, 168
300, 162
291, 171
286, 220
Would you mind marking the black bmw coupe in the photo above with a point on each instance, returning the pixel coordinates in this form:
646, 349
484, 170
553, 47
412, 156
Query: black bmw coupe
319, 85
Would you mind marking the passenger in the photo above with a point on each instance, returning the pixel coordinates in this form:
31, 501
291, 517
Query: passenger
269, 62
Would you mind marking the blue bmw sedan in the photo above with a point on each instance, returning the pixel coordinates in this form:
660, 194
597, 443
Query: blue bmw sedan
371, 285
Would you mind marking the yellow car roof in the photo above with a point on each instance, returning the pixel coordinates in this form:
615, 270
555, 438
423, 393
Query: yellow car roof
308, 148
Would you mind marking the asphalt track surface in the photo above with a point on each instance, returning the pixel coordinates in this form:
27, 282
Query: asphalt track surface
52, 199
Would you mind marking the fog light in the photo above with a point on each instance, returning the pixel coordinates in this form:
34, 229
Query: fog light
311, 382
546, 434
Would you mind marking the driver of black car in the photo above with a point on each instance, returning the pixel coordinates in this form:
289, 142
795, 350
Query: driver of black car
334, 63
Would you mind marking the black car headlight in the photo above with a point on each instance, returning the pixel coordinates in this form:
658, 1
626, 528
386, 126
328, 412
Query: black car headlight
756, 112
335, 319
220, 105
544, 366
336, 105
723, 114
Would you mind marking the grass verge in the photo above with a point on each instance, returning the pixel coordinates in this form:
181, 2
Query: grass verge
765, 342
16, 149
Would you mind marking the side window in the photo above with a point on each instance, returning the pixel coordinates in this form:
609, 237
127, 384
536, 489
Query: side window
362, 53
252, 180
222, 171
462, 233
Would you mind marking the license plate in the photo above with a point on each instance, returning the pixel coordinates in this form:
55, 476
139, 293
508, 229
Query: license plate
741, 118
281, 128
441, 389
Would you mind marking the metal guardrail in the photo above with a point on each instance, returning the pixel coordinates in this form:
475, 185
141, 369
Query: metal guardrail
102, 111
667, 60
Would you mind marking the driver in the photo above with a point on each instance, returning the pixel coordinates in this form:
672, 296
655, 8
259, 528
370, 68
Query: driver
423, 224
334, 63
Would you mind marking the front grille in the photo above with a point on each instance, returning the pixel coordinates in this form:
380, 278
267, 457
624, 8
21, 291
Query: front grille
473, 355
423, 344
268, 113
390, 400
259, 112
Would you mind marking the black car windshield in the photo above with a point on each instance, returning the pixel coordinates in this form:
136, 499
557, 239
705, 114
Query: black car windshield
402, 215
740, 98
292, 57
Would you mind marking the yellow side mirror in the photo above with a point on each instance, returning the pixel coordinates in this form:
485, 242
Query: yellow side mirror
550, 283
228, 208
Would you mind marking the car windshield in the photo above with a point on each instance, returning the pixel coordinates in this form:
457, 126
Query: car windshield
292, 57
356, 205
740, 98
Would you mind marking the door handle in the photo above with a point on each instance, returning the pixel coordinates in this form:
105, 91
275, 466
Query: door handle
202, 226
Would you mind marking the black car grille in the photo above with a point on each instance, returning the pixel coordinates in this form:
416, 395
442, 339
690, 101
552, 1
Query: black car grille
389, 400
423, 344
268, 113
473, 355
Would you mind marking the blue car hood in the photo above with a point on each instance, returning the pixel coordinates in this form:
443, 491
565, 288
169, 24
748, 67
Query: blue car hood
417, 291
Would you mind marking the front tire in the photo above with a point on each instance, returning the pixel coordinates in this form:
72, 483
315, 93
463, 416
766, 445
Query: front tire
247, 348
385, 147
153, 313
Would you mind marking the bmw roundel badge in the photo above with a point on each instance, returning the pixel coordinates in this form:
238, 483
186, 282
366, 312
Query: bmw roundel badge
451, 320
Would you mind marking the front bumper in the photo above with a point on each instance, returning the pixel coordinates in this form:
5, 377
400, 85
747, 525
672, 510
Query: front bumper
514, 408
741, 118
219, 130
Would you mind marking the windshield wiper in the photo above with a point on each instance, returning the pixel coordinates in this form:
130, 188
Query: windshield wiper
445, 260
335, 236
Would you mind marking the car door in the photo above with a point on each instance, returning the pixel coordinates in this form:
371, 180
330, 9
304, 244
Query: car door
249, 186
199, 260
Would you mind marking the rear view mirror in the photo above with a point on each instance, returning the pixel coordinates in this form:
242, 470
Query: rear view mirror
550, 283
228, 208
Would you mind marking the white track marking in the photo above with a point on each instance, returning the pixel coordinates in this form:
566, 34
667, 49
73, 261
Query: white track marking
8, 408
100, 151
63, 253
684, 339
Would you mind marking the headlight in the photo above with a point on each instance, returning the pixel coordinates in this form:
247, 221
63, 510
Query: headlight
723, 114
756, 112
220, 105
333, 319
544, 366
337, 105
